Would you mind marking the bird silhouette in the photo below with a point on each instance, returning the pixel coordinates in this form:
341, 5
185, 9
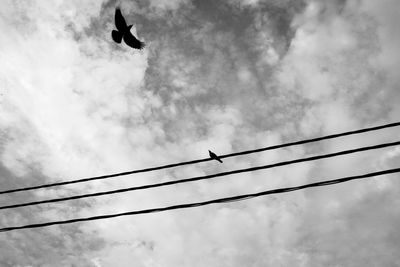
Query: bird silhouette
124, 32
214, 156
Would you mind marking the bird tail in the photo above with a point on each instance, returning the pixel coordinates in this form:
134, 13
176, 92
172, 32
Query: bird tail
141, 45
220, 160
117, 36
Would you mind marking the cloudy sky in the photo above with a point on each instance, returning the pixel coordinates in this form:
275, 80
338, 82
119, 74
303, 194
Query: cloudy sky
224, 75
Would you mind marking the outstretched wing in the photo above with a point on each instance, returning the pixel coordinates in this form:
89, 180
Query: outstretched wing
117, 36
120, 22
133, 42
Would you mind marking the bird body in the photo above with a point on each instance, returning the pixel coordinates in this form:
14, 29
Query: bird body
214, 156
123, 32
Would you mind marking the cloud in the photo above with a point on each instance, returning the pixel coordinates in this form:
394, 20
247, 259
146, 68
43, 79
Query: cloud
61, 107
216, 77
331, 63
167, 6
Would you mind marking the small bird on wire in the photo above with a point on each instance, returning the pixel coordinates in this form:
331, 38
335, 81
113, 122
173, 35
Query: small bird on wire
124, 32
214, 156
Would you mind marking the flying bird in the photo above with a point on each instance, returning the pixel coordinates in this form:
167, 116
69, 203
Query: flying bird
124, 32
214, 156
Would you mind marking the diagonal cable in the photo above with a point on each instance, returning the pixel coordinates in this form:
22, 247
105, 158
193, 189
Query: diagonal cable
301, 142
205, 203
205, 177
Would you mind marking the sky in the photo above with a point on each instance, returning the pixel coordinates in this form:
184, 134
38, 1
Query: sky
226, 75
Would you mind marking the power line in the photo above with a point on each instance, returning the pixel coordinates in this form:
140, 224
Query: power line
301, 142
198, 204
205, 177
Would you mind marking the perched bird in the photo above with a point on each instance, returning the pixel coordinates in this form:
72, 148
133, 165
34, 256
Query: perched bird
214, 156
124, 32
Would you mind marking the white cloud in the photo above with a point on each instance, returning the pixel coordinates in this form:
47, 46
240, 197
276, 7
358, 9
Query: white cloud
332, 63
63, 110
75, 107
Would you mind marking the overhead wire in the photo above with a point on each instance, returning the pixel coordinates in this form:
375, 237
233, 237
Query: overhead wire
101, 177
205, 177
204, 203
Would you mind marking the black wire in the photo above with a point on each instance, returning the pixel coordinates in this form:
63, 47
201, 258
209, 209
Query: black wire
282, 163
202, 160
214, 201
